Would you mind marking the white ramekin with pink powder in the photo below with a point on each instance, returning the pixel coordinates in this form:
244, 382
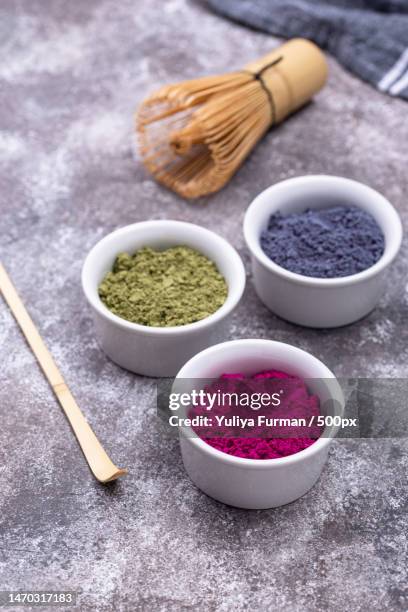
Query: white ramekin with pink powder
258, 483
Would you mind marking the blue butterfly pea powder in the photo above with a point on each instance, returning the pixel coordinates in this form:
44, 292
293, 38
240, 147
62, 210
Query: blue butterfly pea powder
327, 243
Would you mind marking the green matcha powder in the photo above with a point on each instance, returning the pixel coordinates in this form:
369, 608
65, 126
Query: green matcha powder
163, 288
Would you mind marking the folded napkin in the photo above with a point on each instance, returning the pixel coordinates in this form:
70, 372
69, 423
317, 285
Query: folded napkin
369, 37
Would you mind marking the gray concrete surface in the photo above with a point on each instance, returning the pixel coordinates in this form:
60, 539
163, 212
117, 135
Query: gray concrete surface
71, 75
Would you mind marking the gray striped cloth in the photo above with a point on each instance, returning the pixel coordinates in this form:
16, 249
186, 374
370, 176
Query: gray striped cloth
369, 37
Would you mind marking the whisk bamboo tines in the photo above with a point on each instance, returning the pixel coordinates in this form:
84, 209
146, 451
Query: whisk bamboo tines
194, 135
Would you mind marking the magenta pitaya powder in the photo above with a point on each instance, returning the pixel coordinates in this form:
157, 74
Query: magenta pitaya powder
258, 442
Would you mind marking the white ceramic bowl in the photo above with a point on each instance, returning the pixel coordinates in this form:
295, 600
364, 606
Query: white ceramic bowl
159, 351
310, 301
257, 483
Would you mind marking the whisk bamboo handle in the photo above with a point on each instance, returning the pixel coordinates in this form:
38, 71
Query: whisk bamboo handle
99, 462
295, 79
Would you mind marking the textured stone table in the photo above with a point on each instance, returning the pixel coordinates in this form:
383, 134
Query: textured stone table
71, 76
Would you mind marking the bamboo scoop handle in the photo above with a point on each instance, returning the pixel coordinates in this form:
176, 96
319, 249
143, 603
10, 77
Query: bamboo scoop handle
99, 462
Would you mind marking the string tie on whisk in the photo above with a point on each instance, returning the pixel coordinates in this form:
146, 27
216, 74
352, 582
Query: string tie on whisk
258, 77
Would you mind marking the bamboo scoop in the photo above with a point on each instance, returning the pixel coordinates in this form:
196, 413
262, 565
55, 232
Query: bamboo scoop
102, 467
194, 135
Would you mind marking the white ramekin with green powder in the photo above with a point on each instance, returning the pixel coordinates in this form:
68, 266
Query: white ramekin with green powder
160, 351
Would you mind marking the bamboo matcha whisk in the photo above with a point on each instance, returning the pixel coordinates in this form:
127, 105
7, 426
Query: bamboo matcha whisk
194, 135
